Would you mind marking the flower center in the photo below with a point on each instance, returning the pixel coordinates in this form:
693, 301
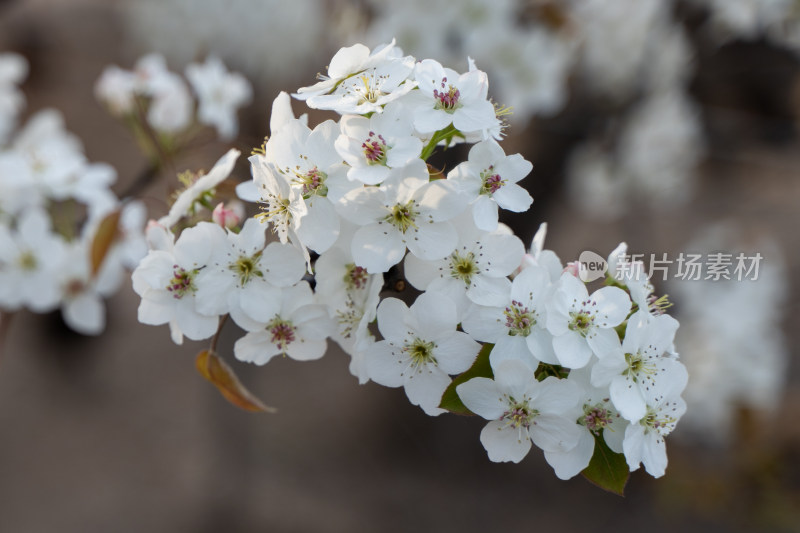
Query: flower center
463, 267
370, 88
448, 98
581, 321
312, 182
652, 422
375, 149
402, 216
595, 417
348, 319
637, 365
246, 267
282, 332
356, 276
491, 181
182, 282
27, 261
519, 414
276, 209
420, 352
519, 319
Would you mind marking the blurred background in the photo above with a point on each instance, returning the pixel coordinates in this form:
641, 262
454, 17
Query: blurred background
671, 125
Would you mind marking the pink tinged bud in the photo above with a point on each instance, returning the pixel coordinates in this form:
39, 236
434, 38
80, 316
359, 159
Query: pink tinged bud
228, 216
152, 224
573, 268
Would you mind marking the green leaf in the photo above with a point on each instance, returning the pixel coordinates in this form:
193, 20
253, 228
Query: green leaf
445, 134
607, 470
479, 369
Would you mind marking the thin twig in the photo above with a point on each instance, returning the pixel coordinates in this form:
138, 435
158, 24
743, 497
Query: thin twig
212, 348
140, 182
164, 158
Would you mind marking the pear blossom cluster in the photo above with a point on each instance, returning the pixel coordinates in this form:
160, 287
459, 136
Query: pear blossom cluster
348, 204
52, 209
629, 58
572, 366
166, 101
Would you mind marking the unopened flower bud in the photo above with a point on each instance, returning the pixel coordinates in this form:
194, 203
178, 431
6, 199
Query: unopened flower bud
573, 268
228, 216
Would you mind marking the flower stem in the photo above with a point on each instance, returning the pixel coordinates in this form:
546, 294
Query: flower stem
212, 348
445, 134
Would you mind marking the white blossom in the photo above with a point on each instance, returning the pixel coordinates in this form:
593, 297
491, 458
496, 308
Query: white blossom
220, 93
421, 347
521, 410
298, 330
582, 324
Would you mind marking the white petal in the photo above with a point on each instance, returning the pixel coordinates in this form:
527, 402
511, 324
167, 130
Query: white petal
512, 347
484, 323
483, 397
283, 264
484, 212
627, 397
556, 396
654, 454
572, 350
377, 247
504, 443
569, 464
393, 317
319, 228
85, 314
613, 305
604, 343
420, 273
425, 388
255, 347
555, 433
429, 120
432, 240
513, 198
156, 308
306, 350
456, 353
386, 365
540, 344
194, 325
489, 291
260, 301
515, 377
474, 117
633, 445
435, 314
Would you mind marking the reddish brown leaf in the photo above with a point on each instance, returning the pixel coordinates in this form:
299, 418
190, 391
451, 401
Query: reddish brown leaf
221, 375
103, 239
435, 173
